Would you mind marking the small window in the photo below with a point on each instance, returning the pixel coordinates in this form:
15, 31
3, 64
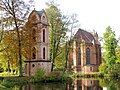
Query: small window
79, 56
80, 88
91, 82
33, 53
34, 35
33, 65
87, 56
43, 18
43, 35
33, 56
90, 68
44, 53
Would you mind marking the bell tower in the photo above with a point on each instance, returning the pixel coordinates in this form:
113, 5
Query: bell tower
39, 51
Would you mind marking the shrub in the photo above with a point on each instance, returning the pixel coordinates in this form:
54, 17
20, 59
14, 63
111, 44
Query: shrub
103, 68
55, 76
39, 74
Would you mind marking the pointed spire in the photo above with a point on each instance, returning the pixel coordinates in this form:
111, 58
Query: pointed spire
96, 34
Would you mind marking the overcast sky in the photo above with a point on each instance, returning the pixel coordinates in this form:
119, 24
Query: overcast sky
92, 14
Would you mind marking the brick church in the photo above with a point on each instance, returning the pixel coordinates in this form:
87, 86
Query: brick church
39, 51
85, 55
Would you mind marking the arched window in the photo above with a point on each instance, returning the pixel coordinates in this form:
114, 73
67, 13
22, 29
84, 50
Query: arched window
87, 56
44, 53
43, 35
79, 57
97, 53
43, 18
34, 53
34, 35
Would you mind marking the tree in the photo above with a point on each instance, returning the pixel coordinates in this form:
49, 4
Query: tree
110, 44
59, 26
102, 68
68, 45
118, 51
28, 38
57, 30
16, 12
9, 57
118, 55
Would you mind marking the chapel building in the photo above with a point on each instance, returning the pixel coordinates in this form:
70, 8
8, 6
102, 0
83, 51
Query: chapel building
40, 51
85, 55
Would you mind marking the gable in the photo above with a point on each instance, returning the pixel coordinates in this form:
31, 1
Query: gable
34, 17
43, 16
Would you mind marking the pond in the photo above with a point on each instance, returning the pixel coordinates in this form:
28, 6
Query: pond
76, 84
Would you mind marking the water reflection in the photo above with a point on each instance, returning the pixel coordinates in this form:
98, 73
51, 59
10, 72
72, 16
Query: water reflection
46, 86
85, 84
82, 84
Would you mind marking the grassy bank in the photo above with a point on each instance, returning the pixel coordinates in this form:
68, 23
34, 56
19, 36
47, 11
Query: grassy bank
11, 81
94, 75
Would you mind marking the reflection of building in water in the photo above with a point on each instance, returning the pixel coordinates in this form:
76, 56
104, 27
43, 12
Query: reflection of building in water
91, 85
46, 86
85, 85
29, 87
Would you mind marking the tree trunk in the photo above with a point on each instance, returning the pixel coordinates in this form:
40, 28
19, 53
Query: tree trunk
19, 45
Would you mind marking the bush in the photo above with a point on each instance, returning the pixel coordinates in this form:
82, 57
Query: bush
103, 68
11, 81
55, 76
39, 74
7, 84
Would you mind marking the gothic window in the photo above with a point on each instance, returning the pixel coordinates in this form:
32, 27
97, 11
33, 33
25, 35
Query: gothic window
80, 88
90, 68
34, 35
43, 18
79, 57
87, 56
43, 35
34, 53
97, 56
44, 53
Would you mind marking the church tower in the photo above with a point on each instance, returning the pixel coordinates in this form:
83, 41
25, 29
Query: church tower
40, 50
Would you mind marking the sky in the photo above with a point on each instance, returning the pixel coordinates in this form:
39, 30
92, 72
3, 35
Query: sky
92, 14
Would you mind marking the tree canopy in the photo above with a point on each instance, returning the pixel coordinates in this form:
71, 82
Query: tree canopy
15, 13
110, 45
59, 27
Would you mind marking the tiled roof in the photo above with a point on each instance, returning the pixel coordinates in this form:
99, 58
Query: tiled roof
40, 13
85, 36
